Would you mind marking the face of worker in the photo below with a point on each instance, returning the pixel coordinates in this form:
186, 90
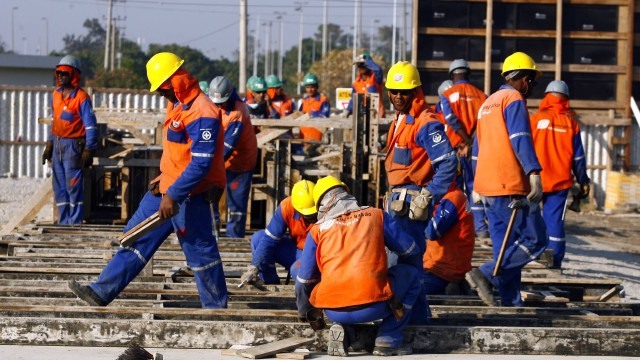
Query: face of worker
525, 85
363, 70
402, 99
311, 90
167, 91
259, 96
63, 78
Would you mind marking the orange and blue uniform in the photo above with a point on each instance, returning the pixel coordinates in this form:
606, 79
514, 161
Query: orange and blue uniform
240, 155
281, 106
315, 106
74, 129
460, 105
451, 240
273, 245
371, 83
192, 163
258, 110
556, 136
343, 269
504, 156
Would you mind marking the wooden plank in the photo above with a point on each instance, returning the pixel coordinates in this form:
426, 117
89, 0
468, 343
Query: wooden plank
266, 350
293, 355
487, 49
611, 293
558, 53
269, 134
30, 209
335, 122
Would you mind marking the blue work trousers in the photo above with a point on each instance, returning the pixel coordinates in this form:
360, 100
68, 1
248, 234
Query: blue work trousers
238, 188
193, 227
266, 252
68, 180
433, 284
554, 206
405, 284
527, 241
465, 182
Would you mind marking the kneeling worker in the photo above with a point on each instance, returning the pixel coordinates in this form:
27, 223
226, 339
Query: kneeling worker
343, 270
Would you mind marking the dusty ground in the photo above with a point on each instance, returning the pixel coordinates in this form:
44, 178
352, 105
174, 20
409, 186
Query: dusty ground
598, 245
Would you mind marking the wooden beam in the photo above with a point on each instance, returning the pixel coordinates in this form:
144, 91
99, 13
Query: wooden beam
539, 34
31, 208
558, 63
335, 122
266, 350
488, 36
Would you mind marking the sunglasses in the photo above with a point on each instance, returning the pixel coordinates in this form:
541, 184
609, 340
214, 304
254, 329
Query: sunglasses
404, 92
532, 82
62, 73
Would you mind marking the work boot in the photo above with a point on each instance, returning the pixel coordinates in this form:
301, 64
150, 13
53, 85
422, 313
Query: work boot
481, 284
390, 351
87, 294
338, 341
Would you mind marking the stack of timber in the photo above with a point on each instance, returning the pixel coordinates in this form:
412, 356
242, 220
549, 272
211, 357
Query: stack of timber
161, 307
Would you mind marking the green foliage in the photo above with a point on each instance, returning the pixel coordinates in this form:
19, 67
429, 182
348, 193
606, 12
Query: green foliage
122, 78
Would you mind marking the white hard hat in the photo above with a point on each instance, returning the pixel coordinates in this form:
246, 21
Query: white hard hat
444, 86
220, 89
459, 64
558, 86
70, 60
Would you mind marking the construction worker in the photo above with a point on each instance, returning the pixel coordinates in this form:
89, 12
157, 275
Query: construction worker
272, 245
460, 105
507, 169
368, 80
281, 105
556, 137
204, 86
71, 142
314, 104
192, 164
450, 240
420, 161
343, 270
240, 152
257, 99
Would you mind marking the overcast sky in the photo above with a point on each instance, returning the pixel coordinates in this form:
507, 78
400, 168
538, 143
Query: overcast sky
208, 25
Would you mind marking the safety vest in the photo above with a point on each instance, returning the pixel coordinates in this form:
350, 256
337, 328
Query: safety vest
362, 85
245, 153
498, 171
450, 256
67, 122
295, 222
406, 161
281, 104
352, 260
309, 104
176, 145
553, 129
465, 101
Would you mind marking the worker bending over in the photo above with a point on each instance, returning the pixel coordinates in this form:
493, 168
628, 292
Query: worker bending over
343, 270
280, 103
556, 137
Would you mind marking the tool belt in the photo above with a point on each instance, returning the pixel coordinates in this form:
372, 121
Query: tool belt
418, 207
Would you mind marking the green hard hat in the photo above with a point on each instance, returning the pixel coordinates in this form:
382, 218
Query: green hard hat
273, 81
204, 86
310, 79
257, 84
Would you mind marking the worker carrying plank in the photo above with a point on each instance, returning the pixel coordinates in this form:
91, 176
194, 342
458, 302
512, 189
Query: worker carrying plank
420, 161
368, 80
191, 165
556, 137
343, 270
272, 245
507, 170
280, 104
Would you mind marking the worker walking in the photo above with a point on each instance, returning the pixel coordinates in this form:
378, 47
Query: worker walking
272, 245
71, 142
507, 169
368, 80
240, 152
281, 105
460, 105
556, 137
315, 104
343, 270
257, 99
191, 165
420, 161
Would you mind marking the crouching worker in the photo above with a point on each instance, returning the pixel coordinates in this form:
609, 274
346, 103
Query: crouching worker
343, 271
450, 238
273, 245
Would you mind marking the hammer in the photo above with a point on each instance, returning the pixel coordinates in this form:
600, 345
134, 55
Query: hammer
514, 205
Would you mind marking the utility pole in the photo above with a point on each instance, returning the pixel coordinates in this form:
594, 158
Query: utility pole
300, 48
325, 15
393, 32
107, 36
355, 37
242, 79
256, 47
112, 54
267, 49
279, 16
403, 45
13, 10
46, 36
373, 21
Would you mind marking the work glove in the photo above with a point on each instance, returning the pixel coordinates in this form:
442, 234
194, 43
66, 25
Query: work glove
250, 276
86, 159
316, 319
419, 207
47, 154
476, 198
536, 188
584, 190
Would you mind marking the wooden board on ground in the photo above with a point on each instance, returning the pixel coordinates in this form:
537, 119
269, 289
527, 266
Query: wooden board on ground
276, 347
293, 355
31, 208
233, 350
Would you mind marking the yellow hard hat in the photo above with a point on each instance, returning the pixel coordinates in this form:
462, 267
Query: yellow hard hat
160, 67
403, 76
302, 197
519, 61
323, 185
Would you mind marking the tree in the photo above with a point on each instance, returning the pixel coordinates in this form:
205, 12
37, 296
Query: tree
89, 49
334, 32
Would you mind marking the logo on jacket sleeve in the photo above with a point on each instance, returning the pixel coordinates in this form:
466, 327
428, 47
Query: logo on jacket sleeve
206, 135
437, 138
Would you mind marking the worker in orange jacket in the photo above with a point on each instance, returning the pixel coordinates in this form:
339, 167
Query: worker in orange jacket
460, 105
280, 103
71, 142
240, 152
343, 270
191, 166
556, 137
368, 80
257, 99
450, 240
315, 104
507, 169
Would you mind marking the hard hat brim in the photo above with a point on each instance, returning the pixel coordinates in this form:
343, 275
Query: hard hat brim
155, 86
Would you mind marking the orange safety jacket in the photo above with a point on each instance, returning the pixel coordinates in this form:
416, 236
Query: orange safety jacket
281, 104
294, 221
343, 256
73, 116
461, 104
192, 148
241, 150
364, 84
451, 238
316, 106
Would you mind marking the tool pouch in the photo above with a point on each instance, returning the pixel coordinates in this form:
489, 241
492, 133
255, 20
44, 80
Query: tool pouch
399, 206
419, 207
316, 319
